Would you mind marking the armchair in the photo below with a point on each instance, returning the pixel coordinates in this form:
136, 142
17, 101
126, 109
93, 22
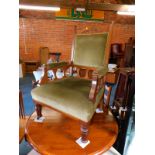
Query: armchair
81, 89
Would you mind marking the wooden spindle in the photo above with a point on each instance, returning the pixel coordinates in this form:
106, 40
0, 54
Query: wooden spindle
54, 71
38, 108
84, 132
86, 74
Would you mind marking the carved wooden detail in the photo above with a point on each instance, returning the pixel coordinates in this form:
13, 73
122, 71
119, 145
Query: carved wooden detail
84, 132
38, 108
80, 72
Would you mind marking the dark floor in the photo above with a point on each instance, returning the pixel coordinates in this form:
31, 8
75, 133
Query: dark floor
25, 84
24, 148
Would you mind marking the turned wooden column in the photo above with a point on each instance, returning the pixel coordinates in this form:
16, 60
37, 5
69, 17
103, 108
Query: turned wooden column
94, 86
84, 132
38, 109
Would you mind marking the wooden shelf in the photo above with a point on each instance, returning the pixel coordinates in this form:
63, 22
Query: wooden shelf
31, 66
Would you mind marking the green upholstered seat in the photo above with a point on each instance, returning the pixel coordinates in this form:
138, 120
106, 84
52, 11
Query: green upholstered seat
70, 96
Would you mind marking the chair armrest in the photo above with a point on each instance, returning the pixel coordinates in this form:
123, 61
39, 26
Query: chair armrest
98, 80
54, 67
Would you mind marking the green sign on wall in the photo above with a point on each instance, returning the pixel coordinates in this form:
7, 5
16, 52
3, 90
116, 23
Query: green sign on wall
73, 14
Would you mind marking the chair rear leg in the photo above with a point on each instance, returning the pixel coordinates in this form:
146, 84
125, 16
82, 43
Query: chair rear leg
38, 109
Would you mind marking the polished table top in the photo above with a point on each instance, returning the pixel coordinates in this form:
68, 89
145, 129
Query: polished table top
58, 133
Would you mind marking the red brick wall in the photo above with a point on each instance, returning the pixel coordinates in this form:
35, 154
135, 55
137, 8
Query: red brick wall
58, 35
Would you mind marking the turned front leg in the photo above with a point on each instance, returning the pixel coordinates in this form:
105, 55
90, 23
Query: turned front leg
84, 132
38, 110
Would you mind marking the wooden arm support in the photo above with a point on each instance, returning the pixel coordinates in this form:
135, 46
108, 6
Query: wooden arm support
94, 85
82, 72
97, 83
63, 67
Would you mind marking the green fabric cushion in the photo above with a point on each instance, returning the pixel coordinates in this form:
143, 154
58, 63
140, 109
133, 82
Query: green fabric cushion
70, 96
90, 49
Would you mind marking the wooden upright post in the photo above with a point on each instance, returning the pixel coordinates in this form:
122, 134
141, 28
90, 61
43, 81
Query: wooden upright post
38, 110
84, 132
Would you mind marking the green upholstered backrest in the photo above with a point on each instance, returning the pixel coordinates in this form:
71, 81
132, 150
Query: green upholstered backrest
44, 51
89, 50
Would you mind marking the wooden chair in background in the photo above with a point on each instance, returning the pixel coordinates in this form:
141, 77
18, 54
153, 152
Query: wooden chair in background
116, 55
107, 93
21, 106
22, 117
124, 87
129, 54
123, 103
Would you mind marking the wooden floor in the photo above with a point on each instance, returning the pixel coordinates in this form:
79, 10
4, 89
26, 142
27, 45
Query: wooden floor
58, 133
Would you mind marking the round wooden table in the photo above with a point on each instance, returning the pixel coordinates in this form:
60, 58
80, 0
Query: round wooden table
58, 133
22, 124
